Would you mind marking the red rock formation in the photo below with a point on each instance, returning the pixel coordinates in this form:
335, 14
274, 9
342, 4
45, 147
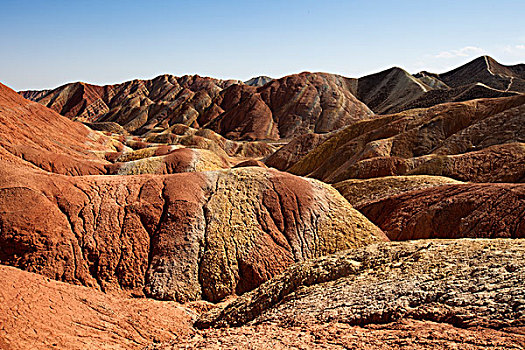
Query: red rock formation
162, 234
501, 163
53, 143
294, 150
452, 211
283, 108
203, 138
167, 233
361, 192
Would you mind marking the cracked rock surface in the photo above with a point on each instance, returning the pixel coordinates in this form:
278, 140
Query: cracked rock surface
465, 283
405, 334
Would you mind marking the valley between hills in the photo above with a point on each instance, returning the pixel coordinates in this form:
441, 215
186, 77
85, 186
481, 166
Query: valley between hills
312, 211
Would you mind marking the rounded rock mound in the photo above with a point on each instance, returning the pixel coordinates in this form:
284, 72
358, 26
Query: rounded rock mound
173, 237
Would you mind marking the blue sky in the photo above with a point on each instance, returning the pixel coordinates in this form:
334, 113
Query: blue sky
45, 44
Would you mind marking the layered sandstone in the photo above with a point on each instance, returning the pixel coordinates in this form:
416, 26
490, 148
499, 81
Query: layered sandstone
468, 141
293, 151
203, 138
47, 140
282, 108
360, 192
176, 161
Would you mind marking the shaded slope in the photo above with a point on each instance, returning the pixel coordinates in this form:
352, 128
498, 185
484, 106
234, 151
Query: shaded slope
258, 81
452, 211
394, 90
488, 71
457, 94
361, 192
387, 90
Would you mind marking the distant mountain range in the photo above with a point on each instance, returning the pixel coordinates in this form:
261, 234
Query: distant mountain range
266, 108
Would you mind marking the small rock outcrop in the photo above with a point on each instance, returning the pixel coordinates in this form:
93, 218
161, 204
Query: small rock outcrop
293, 151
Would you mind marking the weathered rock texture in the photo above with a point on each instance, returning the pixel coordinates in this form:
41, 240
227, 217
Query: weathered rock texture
404, 334
452, 211
465, 283
479, 140
38, 313
282, 108
360, 192
181, 237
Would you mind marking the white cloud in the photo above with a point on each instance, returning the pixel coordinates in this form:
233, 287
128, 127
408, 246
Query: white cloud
513, 54
514, 48
466, 51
